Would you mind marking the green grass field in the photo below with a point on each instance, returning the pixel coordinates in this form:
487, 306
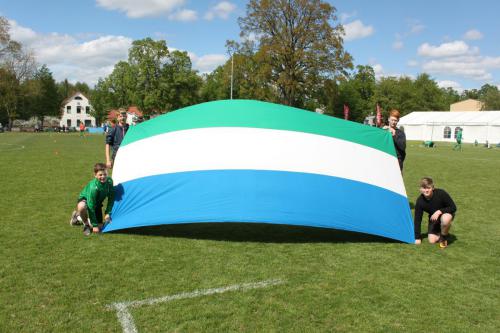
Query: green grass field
54, 279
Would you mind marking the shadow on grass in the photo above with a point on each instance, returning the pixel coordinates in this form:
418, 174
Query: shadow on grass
256, 232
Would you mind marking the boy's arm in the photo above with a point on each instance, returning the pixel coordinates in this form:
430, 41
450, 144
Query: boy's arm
91, 206
417, 221
111, 197
109, 142
449, 205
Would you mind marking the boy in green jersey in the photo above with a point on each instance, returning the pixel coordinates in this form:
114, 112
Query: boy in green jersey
89, 207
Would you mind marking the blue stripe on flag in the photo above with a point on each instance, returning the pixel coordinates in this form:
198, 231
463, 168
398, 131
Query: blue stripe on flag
277, 197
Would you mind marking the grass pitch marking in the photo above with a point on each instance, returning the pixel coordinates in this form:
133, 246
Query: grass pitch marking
10, 147
127, 321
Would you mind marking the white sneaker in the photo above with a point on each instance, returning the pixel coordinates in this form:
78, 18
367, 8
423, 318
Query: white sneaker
74, 218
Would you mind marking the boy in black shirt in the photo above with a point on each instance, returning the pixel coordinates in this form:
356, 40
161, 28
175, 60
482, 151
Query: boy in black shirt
441, 209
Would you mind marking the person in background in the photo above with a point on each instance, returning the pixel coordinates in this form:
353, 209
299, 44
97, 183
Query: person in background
115, 137
458, 145
441, 209
398, 136
82, 129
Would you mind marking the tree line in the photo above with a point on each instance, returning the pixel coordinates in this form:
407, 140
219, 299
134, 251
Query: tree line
291, 52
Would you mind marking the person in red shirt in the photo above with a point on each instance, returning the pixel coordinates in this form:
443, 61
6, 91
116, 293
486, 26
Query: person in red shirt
82, 129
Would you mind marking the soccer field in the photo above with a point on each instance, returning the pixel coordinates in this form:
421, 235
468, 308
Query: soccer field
239, 277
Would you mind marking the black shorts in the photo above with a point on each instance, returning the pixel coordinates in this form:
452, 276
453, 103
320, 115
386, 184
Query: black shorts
434, 227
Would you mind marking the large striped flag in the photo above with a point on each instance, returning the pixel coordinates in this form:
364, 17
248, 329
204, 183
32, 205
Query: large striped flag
250, 161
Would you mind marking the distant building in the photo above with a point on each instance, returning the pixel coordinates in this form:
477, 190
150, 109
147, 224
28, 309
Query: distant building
75, 110
467, 105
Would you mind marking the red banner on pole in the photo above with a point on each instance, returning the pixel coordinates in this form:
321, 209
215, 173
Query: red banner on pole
379, 116
346, 112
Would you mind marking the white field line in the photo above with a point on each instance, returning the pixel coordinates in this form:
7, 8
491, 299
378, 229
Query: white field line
127, 321
15, 147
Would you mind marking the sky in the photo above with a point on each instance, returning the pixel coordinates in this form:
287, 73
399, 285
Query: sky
456, 42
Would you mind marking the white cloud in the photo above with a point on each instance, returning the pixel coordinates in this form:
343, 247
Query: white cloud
378, 69
444, 50
21, 34
71, 58
184, 15
473, 34
143, 8
356, 30
473, 67
450, 84
412, 63
222, 10
345, 16
397, 45
208, 62
416, 27
458, 59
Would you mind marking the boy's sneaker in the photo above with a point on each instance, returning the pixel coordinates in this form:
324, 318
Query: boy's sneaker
74, 218
443, 241
86, 230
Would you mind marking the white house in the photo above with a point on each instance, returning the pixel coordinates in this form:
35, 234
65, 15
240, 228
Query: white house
442, 126
75, 110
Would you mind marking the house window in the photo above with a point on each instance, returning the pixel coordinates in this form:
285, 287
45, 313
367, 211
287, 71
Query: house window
78, 109
68, 109
78, 97
78, 122
447, 132
68, 123
456, 131
87, 109
88, 123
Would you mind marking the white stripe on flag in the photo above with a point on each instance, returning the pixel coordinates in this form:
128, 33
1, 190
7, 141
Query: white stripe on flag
242, 148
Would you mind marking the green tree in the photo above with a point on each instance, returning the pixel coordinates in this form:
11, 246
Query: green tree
17, 61
9, 95
147, 58
449, 96
428, 95
47, 101
490, 96
298, 42
251, 77
179, 83
101, 101
471, 93
121, 85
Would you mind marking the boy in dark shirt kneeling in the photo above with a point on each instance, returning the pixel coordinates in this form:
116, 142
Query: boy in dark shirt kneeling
441, 209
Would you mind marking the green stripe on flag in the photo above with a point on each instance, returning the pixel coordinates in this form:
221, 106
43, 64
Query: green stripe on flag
249, 113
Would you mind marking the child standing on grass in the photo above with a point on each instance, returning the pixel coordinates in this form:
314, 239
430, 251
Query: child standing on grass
441, 209
89, 207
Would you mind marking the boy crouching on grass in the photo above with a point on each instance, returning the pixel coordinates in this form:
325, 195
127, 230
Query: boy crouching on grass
89, 207
441, 209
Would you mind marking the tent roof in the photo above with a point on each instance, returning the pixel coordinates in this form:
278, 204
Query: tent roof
451, 118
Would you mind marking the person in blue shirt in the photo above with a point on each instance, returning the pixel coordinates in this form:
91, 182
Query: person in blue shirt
115, 137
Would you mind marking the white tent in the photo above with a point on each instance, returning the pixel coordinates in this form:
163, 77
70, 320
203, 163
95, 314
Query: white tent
442, 126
